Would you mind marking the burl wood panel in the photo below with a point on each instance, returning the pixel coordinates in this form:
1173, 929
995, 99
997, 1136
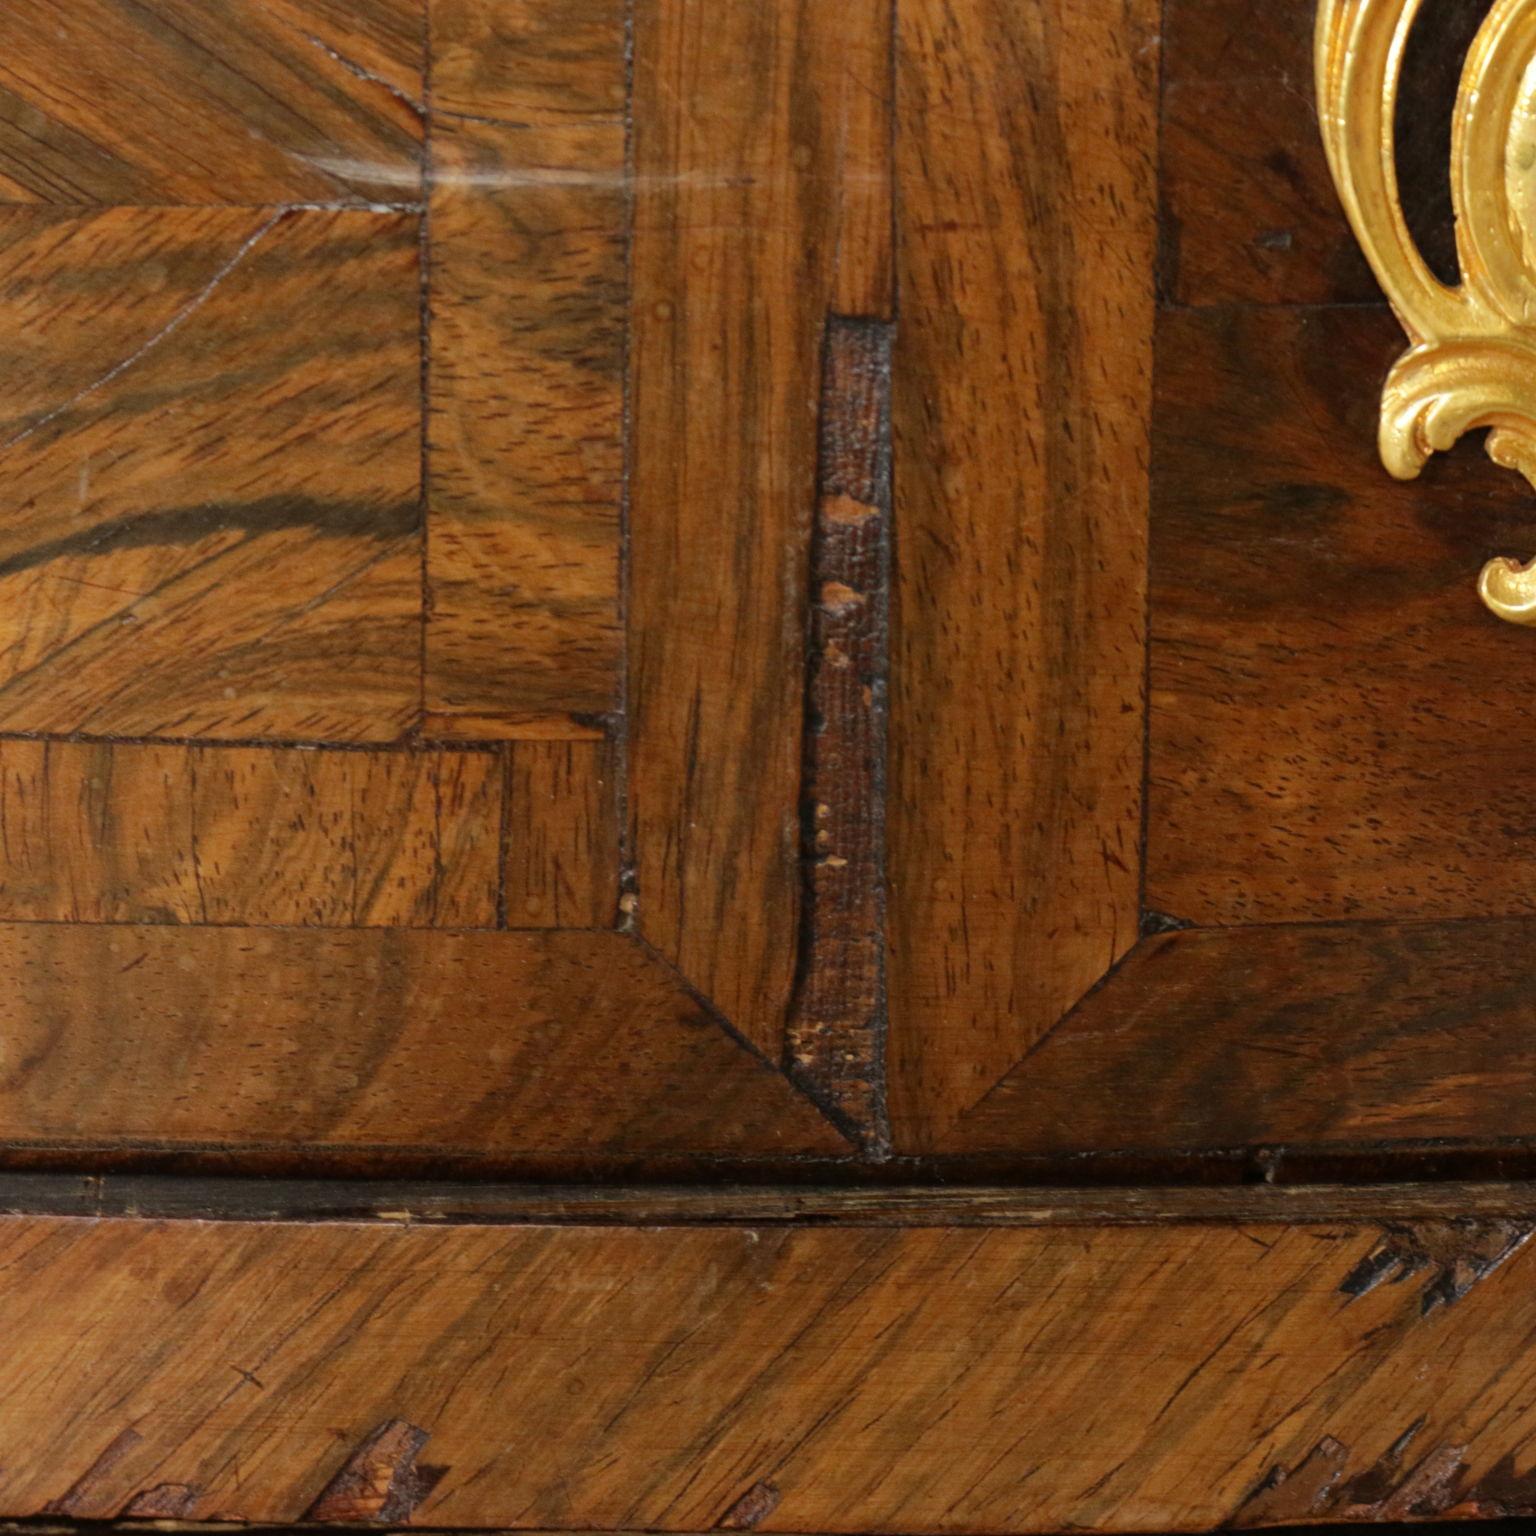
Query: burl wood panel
1023, 360
529, 233
344, 1046
111, 833
1249, 212
762, 198
1303, 1035
1336, 729
1177, 1376
178, 101
209, 441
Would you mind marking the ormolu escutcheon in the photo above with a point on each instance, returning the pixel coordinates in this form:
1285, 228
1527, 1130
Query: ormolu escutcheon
1471, 362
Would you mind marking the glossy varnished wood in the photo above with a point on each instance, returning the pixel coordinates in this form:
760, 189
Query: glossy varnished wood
121, 833
529, 227
251, 101
1021, 1379
211, 523
1027, 189
1297, 1035
762, 177
1333, 729
321, 1047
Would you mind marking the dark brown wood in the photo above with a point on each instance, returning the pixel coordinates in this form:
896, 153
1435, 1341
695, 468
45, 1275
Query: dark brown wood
1335, 730
762, 198
1249, 212
1022, 396
328, 1046
837, 1015
1305, 1034
561, 841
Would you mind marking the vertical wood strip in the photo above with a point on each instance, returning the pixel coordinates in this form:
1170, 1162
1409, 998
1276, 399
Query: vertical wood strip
761, 183
837, 1021
561, 856
528, 218
1027, 187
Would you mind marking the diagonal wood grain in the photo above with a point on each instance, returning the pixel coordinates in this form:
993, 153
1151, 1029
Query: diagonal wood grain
1023, 363
178, 101
1154, 1377
762, 186
1306, 1035
107, 832
529, 234
311, 1047
211, 518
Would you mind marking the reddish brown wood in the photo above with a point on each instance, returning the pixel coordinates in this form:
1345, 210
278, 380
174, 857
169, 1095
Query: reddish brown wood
760, 182
114, 833
1169, 1376
529, 226
252, 101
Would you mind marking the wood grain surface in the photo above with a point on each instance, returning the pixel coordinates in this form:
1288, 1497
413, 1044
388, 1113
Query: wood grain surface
1335, 730
1249, 213
211, 519
1166, 1376
322, 1048
1021, 408
1302, 1035
114, 833
528, 236
761, 204
561, 851
249, 101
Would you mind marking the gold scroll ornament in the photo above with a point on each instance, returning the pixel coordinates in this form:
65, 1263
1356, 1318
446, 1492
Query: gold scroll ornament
1472, 362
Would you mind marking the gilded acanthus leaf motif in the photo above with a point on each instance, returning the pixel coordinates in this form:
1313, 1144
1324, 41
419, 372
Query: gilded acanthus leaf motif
1471, 363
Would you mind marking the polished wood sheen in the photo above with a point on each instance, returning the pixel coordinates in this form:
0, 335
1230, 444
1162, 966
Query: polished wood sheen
722, 761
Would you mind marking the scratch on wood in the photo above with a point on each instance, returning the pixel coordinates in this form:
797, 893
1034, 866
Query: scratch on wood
836, 1037
84, 1496
1452, 1255
752, 1508
381, 1482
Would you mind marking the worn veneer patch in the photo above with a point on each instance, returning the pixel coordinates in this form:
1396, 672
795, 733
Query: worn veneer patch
837, 1016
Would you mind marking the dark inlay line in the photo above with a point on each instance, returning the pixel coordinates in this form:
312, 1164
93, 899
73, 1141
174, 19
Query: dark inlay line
837, 1021
380, 521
